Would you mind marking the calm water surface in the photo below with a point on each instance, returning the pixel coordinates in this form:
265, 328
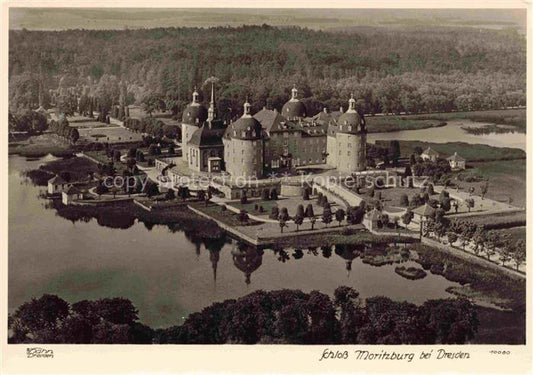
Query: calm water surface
452, 132
165, 274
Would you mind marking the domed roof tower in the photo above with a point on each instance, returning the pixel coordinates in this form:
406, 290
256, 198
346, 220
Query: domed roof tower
247, 127
194, 113
351, 121
294, 108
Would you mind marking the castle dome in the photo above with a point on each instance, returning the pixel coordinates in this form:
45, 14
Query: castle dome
246, 127
351, 121
194, 113
294, 108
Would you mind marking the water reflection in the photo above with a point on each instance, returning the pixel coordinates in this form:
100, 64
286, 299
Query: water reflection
170, 271
247, 259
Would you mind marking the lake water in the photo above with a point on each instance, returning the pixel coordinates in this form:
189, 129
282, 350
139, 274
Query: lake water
452, 132
166, 275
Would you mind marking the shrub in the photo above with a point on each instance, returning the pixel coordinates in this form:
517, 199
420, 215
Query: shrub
265, 195
273, 194
404, 200
274, 213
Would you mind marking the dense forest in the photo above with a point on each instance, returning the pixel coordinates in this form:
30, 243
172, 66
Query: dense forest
392, 70
275, 317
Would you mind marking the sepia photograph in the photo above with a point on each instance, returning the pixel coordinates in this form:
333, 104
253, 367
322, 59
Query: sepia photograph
266, 176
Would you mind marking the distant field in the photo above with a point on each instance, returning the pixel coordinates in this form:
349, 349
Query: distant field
514, 117
381, 124
471, 152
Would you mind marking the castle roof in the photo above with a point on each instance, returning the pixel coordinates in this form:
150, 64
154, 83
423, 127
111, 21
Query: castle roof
294, 108
245, 128
351, 121
210, 134
272, 121
194, 114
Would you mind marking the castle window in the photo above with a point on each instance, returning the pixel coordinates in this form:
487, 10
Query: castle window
235, 133
243, 134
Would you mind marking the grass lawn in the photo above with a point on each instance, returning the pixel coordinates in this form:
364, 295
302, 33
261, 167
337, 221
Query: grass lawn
227, 217
498, 221
113, 134
507, 179
515, 234
471, 152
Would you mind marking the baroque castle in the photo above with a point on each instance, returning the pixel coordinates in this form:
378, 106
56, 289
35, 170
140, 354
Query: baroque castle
268, 141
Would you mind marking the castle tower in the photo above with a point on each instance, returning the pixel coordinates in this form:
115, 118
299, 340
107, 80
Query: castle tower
243, 146
350, 136
193, 117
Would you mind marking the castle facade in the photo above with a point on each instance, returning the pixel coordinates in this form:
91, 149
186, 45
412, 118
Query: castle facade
269, 141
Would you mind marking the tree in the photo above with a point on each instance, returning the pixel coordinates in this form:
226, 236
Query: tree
200, 195
284, 214
394, 152
183, 192
484, 189
407, 217
309, 211
451, 321
273, 194
282, 224
244, 198
519, 255
445, 204
505, 253
385, 219
298, 220
452, 237
170, 195
151, 103
74, 135
101, 189
151, 189
469, 203
312, 220
265, 195
243, 216
306, 193
39, 318
171, 149
300, 211
327, 216
404, 200
274, 213
340, 215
